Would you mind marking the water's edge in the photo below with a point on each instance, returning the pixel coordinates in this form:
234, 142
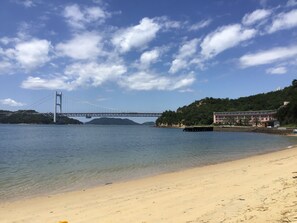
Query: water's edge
42, 161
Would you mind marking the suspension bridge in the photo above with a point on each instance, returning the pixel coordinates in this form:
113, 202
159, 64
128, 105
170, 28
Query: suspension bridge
58, 111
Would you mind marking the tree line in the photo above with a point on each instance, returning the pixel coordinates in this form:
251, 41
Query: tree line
201, 112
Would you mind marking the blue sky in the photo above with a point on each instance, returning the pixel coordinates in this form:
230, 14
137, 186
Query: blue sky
149, 55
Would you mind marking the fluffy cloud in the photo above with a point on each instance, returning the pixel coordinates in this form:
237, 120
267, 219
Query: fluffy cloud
224, 38
78, 18
31, 54
136, 36
186, 51
268, 56
283, 21
37, 83
148, 81
82, 46
255, 16
149, 57
177, 64
77, 75
11, 102
200, 25
277, 70
93, 73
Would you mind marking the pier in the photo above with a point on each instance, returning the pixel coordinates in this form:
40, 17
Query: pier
198, 129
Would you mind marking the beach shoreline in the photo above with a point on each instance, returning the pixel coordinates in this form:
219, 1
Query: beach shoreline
260, 188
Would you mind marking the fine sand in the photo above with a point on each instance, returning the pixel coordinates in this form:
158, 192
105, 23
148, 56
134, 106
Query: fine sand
257, 189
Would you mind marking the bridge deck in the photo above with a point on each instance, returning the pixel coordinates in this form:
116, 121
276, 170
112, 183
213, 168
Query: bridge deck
111, 114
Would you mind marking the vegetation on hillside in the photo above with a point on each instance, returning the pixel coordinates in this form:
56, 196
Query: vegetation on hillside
32, 117
287, 115
112, 121
201, 112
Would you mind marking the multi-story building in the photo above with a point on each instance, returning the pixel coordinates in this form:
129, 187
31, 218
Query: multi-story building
254, 118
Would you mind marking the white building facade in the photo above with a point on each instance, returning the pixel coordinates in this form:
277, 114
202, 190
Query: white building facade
253, 118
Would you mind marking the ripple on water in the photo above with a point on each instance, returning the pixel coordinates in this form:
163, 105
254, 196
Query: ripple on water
39, 159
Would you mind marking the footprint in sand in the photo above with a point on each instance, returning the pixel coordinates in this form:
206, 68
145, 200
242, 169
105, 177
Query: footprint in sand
262, 208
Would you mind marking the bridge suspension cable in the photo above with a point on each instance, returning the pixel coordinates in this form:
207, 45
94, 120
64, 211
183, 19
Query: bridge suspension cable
39, 101
58, 104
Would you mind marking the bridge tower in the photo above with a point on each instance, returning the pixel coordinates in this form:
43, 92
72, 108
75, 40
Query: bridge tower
58, 105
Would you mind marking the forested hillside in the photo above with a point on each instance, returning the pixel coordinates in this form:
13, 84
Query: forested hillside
201, 112
32, 117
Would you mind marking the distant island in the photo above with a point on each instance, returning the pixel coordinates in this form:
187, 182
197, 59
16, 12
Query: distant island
112, 121
116, 121
201, 112
32, 117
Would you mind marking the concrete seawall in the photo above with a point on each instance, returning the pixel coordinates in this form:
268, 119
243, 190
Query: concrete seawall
254, 129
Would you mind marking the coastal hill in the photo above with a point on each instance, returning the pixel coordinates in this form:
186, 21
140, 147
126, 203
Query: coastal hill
112, 121
201, 112
31, 117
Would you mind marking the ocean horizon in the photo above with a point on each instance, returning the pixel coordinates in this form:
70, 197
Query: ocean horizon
47, 159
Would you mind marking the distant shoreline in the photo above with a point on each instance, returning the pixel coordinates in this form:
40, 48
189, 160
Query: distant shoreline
276, 131
286, 131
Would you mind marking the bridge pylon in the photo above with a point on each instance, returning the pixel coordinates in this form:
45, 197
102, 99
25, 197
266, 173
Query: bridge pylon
58, 105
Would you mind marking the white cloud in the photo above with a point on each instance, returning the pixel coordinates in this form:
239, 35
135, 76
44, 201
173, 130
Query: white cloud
136, 36
78, 18
186, 51
291, 3
37, 83
177, 64
11, 102
149, 57
167, 24
31, 54
200, 25
94, 74
78, 75
255, 16
224, 38
283, 21
148, 81
268, 56
82, 46
277, 70
5, 66
7, 40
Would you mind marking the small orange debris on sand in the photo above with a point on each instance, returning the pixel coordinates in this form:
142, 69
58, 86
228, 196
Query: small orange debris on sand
63, 221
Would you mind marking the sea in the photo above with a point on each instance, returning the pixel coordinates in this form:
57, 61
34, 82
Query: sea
41, 160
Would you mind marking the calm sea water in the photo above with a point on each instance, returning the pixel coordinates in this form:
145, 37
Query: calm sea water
46, 159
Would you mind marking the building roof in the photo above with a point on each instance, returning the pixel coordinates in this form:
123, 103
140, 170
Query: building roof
260, 112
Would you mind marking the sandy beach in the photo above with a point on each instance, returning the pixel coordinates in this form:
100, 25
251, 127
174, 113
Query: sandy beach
260, 189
